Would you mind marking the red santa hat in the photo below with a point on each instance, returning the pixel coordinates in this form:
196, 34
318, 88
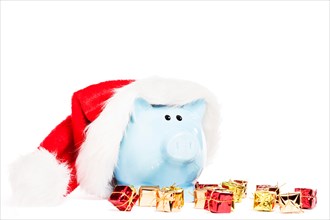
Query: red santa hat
83, 149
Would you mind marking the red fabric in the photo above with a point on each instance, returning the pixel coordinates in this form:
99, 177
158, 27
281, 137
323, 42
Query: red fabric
65, 139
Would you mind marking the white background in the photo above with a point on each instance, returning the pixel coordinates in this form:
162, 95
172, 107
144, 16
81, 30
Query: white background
267, 62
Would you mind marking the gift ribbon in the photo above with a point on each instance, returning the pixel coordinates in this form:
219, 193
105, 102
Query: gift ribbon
130, 198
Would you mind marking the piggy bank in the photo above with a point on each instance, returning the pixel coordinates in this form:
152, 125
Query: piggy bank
152, 131
162, 145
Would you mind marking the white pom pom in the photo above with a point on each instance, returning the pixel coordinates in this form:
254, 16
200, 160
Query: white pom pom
38, 179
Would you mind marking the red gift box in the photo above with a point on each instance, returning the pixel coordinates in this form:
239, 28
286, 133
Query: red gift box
219, 201
124, 197
308, 197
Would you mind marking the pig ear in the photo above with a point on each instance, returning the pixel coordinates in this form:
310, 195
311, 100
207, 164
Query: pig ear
197, 107
139, 106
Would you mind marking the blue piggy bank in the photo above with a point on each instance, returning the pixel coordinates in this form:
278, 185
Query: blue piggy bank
163, 145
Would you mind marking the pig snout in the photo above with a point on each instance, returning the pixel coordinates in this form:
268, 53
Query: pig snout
182, 147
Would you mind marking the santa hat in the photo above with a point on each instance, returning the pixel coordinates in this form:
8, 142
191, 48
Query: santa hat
83, 149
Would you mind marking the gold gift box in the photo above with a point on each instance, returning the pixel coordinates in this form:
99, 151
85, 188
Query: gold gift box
148, 195
199, 198
236, 188
244, 184
290, 202
169, 199
271, 188
264, 200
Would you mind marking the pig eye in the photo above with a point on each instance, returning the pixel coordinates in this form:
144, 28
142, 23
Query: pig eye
179, 118
167, 117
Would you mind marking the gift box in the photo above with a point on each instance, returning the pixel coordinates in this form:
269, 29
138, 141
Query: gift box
308, 197
200, 186
199, 195
199, 198
236, 188
244, 184
219, 201
147, 195
264, 200
271, 188
124, 197
169, 199
290, 202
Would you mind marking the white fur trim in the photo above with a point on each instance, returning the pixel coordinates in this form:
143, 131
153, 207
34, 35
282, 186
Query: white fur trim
98, 154
38, 179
